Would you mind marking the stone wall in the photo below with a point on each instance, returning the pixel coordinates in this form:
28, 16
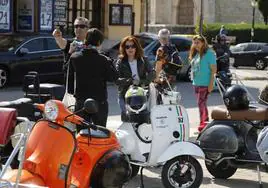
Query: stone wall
174, 29
225, 11
235, 11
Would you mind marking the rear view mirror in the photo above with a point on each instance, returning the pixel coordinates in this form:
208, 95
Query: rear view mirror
23, 51
90, 106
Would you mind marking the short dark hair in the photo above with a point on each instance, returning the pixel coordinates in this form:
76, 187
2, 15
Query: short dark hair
94, 37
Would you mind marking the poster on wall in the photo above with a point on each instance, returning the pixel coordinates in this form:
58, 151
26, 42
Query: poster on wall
25, 12
120, 14
5, 16
46, 15
60, 13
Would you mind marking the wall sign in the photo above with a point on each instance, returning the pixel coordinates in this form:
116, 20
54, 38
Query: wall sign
60, 13
25, 15
46, 15
120, 14
5, 16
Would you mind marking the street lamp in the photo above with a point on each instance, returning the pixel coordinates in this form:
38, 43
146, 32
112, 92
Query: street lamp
254, 4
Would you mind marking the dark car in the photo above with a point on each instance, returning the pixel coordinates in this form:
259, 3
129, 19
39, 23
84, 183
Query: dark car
183, 45
250, 54
37, 53
144, 38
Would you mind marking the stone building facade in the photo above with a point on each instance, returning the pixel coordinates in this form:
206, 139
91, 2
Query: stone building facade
179, 14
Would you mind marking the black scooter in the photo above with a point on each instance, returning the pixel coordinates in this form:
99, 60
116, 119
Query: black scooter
229, 141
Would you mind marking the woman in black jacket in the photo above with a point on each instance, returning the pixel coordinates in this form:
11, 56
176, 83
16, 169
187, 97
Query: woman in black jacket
131, 66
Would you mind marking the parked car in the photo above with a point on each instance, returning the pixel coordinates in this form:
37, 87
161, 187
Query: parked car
250, 54
150, 43
183, 44
144, 39
23, 54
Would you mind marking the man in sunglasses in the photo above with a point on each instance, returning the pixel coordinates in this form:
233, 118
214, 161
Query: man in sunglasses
81, 26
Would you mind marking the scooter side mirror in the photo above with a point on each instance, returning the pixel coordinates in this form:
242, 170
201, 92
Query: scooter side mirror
90, 106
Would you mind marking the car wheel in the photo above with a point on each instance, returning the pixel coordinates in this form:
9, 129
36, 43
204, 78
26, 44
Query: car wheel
3, 76
187, 76
260, 64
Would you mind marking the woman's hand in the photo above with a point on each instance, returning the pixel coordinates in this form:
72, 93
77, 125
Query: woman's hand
210, 88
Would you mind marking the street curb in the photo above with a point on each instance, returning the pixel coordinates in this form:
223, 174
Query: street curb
254, 78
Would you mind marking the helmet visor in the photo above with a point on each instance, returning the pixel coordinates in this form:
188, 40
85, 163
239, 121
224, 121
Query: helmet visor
136, 102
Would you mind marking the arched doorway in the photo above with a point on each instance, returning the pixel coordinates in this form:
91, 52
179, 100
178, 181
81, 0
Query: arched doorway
185, 15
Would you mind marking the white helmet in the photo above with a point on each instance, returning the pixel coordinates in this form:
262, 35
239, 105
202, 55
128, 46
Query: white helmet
164, 33
262, 144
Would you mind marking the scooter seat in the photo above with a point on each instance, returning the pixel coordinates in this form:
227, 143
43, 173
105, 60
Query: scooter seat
99, 133
258, 113
15, 103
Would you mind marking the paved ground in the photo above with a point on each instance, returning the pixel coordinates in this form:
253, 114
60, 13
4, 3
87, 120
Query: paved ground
243, 178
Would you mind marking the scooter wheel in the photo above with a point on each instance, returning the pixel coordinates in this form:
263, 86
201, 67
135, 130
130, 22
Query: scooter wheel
182, 171
221, 171
135, 170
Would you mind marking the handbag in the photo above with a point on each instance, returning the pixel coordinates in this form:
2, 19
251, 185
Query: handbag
68, 99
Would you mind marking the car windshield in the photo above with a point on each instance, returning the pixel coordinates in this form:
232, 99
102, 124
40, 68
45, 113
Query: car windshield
9, 43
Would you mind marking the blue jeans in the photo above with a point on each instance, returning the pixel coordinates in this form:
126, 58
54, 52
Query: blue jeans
121, 102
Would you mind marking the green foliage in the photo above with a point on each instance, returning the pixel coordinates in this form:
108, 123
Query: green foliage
240, 31
263, 7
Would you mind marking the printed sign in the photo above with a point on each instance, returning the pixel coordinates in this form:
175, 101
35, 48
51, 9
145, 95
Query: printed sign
5, 10
60, 12
46, 11
25, 15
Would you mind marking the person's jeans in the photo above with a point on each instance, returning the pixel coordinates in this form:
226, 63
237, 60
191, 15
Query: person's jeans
201, 93
99, 118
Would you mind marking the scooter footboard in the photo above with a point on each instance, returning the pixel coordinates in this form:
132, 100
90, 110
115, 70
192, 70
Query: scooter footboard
181, 148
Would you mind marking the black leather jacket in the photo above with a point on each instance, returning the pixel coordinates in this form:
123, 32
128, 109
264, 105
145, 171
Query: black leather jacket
145, 70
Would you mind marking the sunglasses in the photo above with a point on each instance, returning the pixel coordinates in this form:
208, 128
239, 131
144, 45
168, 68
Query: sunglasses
82, 26
130, 46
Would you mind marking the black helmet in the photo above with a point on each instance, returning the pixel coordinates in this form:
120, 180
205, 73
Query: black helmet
236, 98
263, 97
136, 105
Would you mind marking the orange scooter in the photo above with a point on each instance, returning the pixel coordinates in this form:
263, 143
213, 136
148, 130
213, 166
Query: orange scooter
55, 158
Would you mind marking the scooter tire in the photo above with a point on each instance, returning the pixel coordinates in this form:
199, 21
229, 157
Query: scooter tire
221, 171
173, 163
135, 170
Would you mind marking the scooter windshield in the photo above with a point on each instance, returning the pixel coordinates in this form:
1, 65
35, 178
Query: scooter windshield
49, 152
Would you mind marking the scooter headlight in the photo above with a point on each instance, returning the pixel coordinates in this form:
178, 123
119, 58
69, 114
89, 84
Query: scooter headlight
51, 110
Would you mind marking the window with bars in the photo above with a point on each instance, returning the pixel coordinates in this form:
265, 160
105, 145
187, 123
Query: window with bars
78, 8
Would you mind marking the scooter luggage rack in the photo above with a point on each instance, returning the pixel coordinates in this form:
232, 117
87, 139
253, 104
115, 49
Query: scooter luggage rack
21, 143
238, 81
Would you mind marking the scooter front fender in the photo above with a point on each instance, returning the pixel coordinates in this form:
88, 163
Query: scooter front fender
181, 148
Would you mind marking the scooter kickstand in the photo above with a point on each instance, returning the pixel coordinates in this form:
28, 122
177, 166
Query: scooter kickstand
142, 185
259, 176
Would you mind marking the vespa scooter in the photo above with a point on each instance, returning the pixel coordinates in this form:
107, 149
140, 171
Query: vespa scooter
161, 139
55, 158
229, 141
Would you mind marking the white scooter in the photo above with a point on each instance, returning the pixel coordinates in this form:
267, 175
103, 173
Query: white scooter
163, 141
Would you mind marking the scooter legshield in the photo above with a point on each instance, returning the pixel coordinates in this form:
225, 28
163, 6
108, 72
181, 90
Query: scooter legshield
219, 138
49, 152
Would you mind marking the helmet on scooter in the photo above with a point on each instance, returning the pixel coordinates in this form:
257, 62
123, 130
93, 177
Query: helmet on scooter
112, 170
136, 105
262, 144
236, 98
263, 97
